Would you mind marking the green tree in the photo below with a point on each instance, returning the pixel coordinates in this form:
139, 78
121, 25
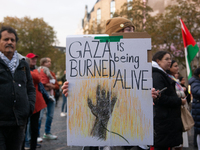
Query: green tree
136, 11
36, 36
165, 29
58, 61
95, 28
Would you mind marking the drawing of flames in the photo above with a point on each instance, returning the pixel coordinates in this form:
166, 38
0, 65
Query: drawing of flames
127, 118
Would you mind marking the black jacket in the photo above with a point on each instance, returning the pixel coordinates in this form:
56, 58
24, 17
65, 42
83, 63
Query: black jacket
167, 112
17, 94
195, 90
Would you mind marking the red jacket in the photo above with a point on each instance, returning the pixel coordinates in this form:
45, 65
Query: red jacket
40, 103
45, 79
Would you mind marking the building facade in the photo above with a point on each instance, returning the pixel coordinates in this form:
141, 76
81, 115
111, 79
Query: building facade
104, 9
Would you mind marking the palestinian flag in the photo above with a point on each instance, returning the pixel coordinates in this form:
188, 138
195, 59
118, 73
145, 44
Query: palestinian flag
191, 48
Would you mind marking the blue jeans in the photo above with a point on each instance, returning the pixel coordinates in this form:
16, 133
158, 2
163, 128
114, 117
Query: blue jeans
64, 104
49, 117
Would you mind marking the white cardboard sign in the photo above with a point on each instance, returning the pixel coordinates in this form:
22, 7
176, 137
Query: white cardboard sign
110, 83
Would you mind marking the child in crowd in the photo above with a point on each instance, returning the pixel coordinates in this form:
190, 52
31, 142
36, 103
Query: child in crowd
50, 78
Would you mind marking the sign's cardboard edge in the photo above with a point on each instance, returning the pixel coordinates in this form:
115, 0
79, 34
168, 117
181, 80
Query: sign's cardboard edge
86, 35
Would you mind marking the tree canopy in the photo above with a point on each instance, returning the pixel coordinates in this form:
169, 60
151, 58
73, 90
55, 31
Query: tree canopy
165, 28
136, 11
36, 36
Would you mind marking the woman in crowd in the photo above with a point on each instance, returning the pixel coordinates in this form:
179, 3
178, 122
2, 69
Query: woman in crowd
167, 110
195, 90
173, 73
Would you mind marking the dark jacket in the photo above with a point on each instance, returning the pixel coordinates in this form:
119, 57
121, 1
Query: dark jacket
167, 113
63, 79
17, 94
195, 90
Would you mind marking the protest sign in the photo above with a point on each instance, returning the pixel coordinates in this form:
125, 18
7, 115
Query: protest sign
110, 84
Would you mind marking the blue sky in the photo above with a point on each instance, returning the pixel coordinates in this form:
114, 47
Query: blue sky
63, 15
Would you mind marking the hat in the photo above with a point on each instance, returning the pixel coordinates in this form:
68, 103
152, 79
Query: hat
116, 24
31, 55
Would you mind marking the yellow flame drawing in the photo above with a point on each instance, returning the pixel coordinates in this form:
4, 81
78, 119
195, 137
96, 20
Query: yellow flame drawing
127, 118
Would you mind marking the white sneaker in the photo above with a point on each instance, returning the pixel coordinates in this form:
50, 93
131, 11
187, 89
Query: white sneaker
49, 136
62, 114
39, 140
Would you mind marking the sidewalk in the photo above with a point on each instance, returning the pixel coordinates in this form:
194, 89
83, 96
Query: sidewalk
190, 138
59, 128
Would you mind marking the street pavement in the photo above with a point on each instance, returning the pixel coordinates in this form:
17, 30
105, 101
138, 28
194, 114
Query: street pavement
191, 141
59, 128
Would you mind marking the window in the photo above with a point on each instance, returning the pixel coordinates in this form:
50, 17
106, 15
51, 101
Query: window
112, 8
98, 16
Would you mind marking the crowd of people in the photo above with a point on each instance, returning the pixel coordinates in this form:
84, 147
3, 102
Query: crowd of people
30, 91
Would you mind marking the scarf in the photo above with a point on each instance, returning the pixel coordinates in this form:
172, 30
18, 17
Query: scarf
13, 63
178, 86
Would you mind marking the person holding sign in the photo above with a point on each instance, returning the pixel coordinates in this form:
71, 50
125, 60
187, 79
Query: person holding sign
119, 24
167, 111
114, 25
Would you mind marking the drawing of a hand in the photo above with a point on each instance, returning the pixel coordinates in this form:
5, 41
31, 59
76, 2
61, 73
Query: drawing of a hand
102, 111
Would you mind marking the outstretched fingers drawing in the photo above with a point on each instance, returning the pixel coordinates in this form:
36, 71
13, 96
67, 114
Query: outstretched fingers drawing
102, 111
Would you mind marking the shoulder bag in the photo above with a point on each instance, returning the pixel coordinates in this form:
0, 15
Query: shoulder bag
187, 119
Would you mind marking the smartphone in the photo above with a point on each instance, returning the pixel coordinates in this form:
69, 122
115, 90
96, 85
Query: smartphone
162, 90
